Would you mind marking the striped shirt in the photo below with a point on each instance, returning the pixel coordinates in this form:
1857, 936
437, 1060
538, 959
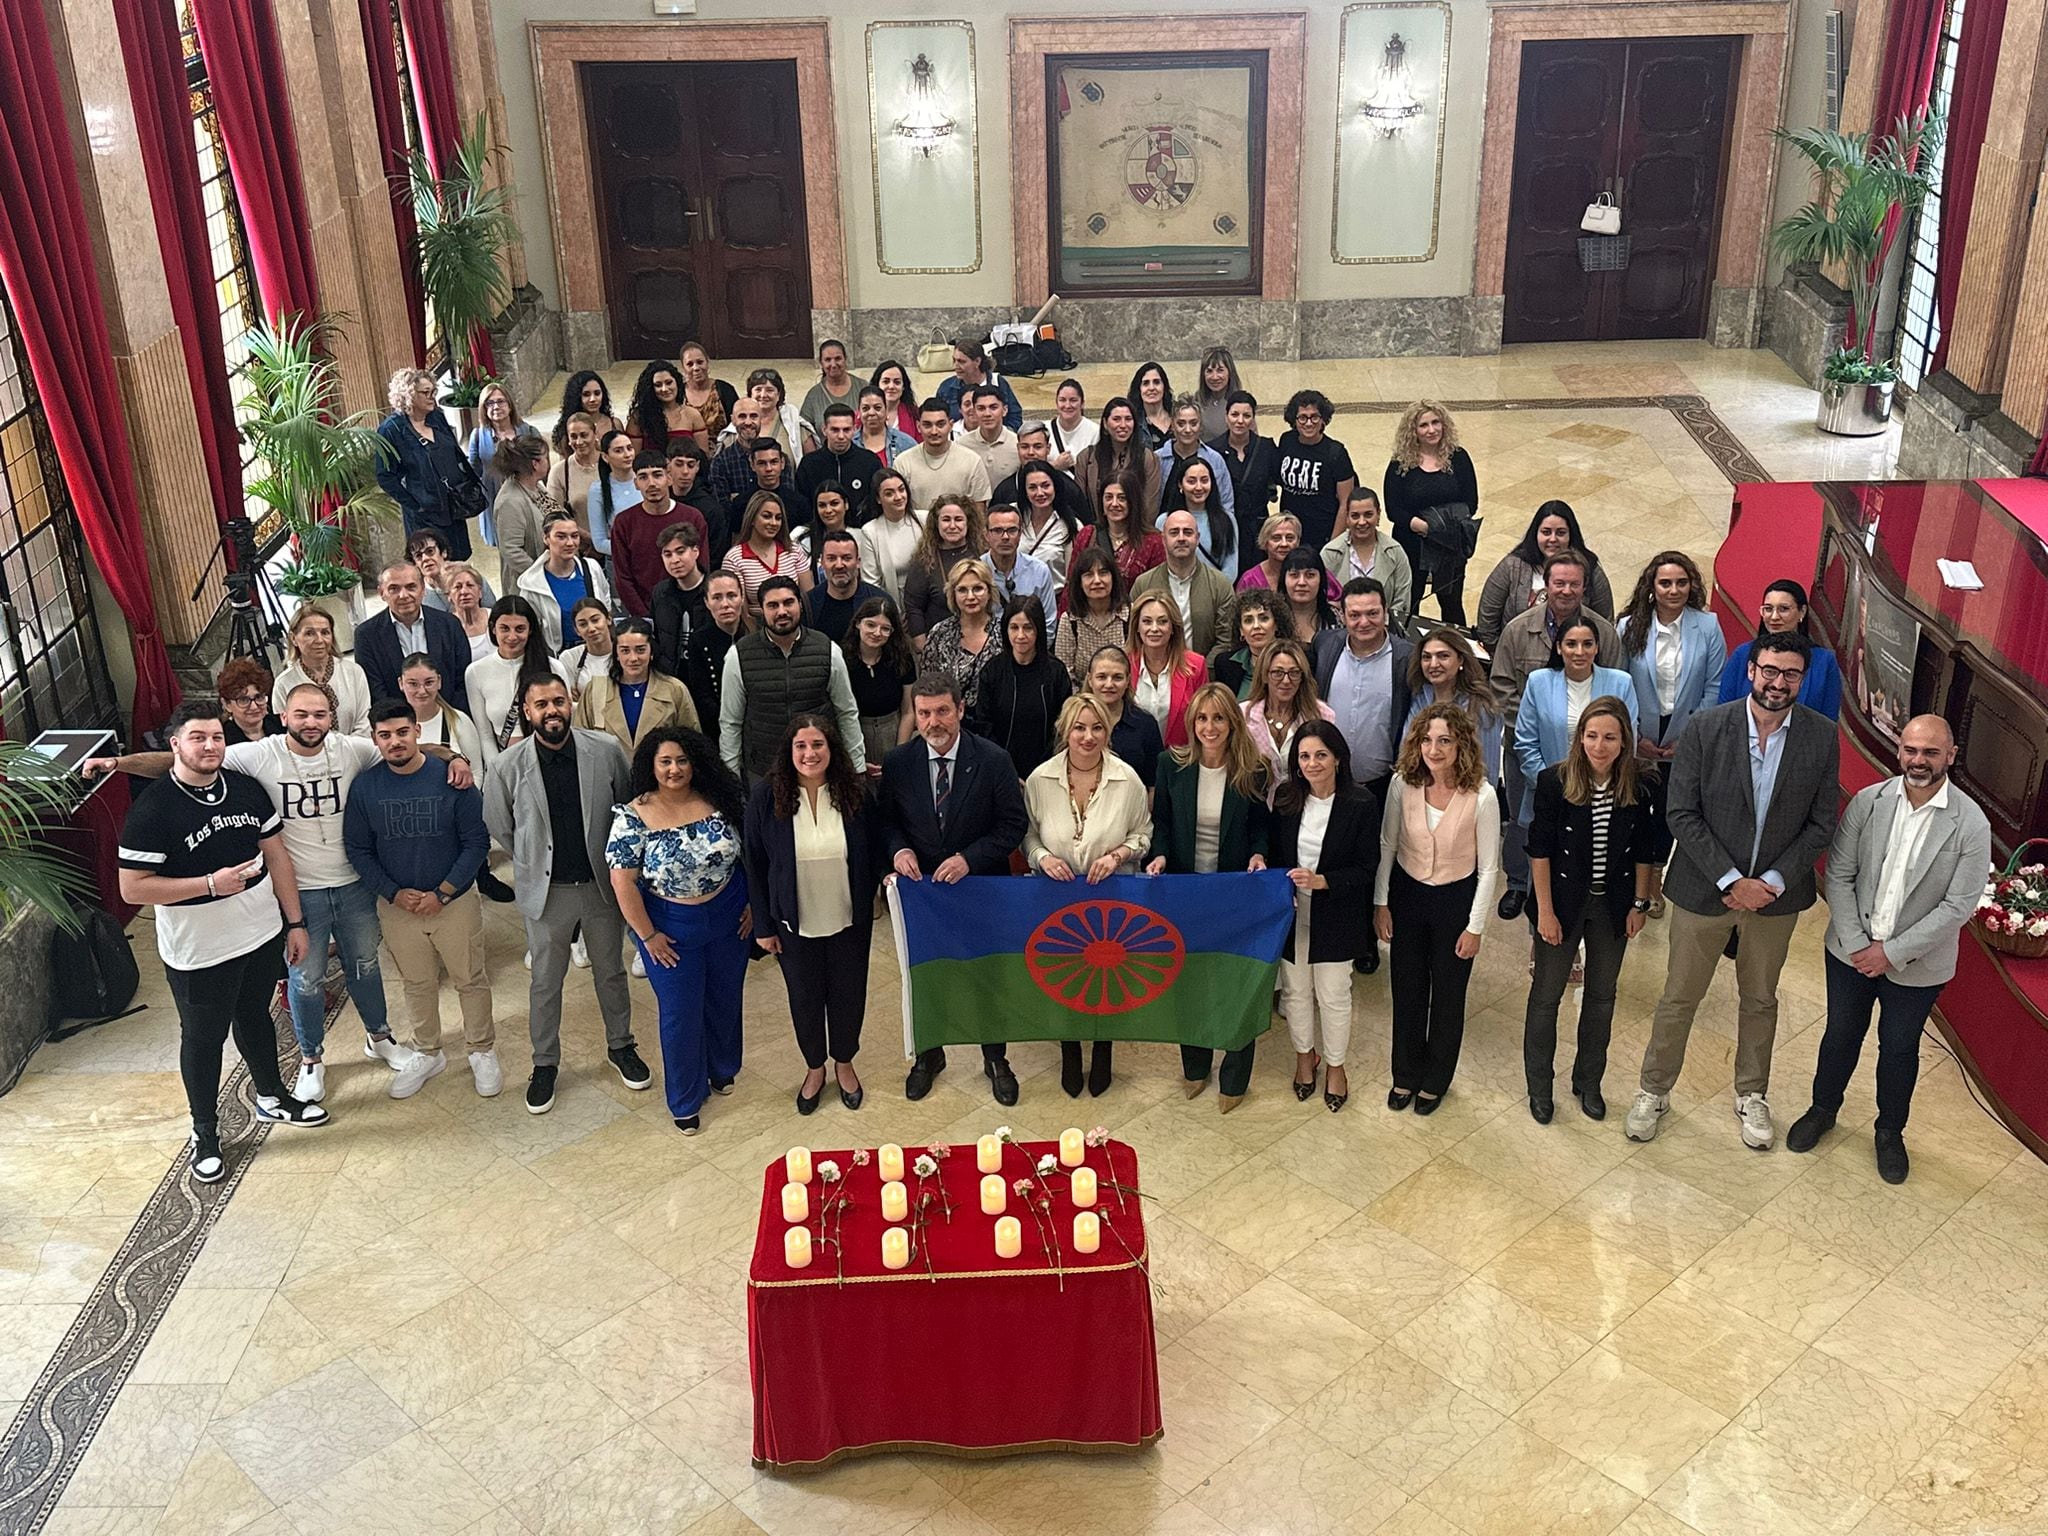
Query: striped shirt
1602, 805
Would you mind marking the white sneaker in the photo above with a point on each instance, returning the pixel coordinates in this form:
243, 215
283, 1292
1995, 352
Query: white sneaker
1755, 1115
388, 1051
415, 1074
528, 961
579, 955
490, 1078
1643, 1115
639, 965
312, 1083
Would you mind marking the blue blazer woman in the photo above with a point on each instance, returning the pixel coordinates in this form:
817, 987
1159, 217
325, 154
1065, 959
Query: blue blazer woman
1543, 734
1702, 654
1821, 690
415, 474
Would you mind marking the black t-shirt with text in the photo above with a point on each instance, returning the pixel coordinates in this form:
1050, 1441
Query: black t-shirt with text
181, 833
1308, 476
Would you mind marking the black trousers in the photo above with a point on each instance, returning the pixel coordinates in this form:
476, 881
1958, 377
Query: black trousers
935, 1056
1450, 597
1429, 979
828, 991
1235, 1075
1901, 1011
1605, 950
214, 1001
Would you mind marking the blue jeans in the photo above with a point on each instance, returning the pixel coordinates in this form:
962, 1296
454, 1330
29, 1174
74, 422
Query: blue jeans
699, 996
348, 915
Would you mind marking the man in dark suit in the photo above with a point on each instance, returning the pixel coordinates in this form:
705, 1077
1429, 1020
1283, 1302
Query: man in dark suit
954, 808
408, 627
1752, 805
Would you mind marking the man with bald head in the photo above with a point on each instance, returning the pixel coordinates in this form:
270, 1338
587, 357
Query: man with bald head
1905, 872
407, 627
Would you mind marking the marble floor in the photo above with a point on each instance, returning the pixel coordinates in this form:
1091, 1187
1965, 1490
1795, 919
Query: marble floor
445, 1315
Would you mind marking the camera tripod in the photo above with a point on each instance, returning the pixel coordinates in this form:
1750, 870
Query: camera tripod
255, 617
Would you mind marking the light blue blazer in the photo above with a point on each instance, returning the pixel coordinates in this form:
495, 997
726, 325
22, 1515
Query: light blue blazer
1704, 653
1542, 733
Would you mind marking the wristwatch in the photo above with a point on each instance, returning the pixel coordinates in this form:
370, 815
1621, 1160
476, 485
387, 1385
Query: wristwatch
297, 922
1640, 904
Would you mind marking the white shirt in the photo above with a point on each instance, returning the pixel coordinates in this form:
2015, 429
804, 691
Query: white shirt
412, 638
1667, 651
1182, 592
1576, 697
1315, 826
886, 550
1902, 848
1209, 818
1076, 442
1154, 693
310, 793
824, 903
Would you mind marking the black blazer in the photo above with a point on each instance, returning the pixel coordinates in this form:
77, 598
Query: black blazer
1016, 708
985, 818
770, 843
1563, 833
381, 657
1340, 918
1244, 830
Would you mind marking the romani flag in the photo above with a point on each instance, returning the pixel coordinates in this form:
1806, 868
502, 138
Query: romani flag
1187, 959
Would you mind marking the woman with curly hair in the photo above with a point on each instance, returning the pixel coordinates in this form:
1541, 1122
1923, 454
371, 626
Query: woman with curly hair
425, 461
815, 857
1314, 469
1431, 494
679, 874
244, 686
1261, 618
587, 394
659, 411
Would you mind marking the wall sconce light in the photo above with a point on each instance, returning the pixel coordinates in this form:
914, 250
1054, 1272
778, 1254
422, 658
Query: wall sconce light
1390, 105
925, 127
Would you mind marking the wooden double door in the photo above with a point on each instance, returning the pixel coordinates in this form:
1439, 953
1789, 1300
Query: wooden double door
700, 197
1646, 120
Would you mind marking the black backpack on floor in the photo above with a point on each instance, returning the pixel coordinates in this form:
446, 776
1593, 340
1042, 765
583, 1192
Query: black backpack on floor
94, 976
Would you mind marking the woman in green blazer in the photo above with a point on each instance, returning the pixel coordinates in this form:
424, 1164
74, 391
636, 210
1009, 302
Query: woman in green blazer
1209, 814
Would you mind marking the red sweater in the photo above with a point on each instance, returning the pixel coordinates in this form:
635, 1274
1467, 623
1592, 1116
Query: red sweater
636, 551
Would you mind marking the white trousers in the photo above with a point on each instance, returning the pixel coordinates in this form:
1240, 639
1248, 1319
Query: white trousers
1312, 994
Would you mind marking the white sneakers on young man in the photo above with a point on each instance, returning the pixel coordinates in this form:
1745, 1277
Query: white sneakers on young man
1644, 1115
639, 966
312, 1082
489, 1076
424, 1067
579, 953
1755, 1115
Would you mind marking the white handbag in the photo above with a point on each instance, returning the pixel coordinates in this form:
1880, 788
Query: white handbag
1602, 217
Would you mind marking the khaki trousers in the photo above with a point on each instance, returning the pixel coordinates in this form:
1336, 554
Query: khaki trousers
420, 947
1696, 944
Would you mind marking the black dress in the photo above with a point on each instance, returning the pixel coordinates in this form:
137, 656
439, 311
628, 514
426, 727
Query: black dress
1410, 494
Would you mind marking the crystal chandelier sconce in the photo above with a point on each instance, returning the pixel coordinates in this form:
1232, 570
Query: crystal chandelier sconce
925, 127
1391, 105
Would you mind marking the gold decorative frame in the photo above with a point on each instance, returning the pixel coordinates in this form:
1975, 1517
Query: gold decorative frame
875, 140
1443, 93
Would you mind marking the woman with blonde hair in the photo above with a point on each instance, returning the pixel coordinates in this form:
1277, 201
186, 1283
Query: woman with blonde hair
311, 655
1164, 672
1279, 537
1439, 863
963, 643
468, 601
426, 472
952, 532
1209, 814
1431, 496
1284, 698
498, 422
1089, 820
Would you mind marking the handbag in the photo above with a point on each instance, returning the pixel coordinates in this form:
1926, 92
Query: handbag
464, 492
1452, 527
1601, 217
936, 355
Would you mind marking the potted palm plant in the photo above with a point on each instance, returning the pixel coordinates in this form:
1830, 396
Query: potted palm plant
1865, 186
465, 227
318, 465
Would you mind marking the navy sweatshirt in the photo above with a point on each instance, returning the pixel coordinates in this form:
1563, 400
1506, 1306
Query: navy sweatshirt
412, 831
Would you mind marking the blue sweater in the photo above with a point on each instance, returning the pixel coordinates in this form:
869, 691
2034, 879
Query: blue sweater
412, 831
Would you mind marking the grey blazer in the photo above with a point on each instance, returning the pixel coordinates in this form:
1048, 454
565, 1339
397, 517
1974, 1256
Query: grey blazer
1711, 808
1942, 888
516, 811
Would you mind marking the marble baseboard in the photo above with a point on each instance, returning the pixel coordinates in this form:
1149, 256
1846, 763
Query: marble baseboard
1950, 432
1451, 326
1803, 321
873, 334
528, 347
1735, 317
830, 323
586, 338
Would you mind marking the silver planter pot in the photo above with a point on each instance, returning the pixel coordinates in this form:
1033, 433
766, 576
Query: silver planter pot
1855, 410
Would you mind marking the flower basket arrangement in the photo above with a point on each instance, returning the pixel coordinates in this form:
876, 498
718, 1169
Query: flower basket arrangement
2013, 916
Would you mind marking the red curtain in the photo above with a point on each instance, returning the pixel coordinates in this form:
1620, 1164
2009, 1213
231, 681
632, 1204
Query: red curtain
1905, 83
1969, 112
246, 67
153, 56
46, 264
390, 114
431, 56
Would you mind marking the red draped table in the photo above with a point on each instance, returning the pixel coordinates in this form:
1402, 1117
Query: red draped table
976, 1355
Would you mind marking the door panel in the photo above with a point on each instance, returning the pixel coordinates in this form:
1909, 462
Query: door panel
1674, 130
1566, 137
699, 174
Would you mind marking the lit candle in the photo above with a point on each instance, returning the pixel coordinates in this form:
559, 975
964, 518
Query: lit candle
1083, 1184
796, 1202
796, 1247
1009, 1238
988, 1155
1073, 1147
1087, 1232
993, 1196
895, 1247
798, 1163
889, 1162
895, 1201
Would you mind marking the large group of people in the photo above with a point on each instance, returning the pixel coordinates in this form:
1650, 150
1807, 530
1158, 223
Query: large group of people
752, 658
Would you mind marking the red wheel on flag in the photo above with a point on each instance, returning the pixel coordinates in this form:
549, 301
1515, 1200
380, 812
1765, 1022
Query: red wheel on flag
1104, 956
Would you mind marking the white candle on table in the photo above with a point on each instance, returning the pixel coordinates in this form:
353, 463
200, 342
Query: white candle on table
798, 1165
1009, 1238
889, 1162
796, 1202
895, 1248
895, 1201
988, 1155
1083, 1186
796, 1247
993, 1195
1087, 1232
1073, 1147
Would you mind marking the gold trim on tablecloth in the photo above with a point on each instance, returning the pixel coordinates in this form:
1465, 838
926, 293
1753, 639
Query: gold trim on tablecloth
914, 1274
966, 1452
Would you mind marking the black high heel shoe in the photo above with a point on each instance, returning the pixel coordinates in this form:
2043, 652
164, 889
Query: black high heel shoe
1335, 1101
805, 1106
1306, 1091
1399, 1099
852, 1097
1070, 1068
1098, 1070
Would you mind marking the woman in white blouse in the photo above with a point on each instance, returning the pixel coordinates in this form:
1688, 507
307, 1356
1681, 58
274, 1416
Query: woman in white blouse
889, 536
493, 682
1090, 819
309, 647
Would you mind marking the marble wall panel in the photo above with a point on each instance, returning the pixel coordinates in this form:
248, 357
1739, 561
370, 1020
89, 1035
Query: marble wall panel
586, 338
1735, 316
1803, 322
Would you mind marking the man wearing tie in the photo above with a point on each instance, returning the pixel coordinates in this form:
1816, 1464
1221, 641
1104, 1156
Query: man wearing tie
954, 808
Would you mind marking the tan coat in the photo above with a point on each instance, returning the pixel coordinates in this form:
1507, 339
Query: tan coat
667, 703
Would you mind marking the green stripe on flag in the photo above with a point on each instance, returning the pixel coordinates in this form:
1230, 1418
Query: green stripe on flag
1220, 1001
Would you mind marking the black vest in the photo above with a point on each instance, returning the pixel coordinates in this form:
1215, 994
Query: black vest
779, 687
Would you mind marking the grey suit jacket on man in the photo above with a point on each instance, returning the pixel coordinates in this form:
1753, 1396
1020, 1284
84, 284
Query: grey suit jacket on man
516, 811
1942, 888
1711, 808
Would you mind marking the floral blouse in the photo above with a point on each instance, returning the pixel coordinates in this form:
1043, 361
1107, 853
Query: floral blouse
943, 649
683, 863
